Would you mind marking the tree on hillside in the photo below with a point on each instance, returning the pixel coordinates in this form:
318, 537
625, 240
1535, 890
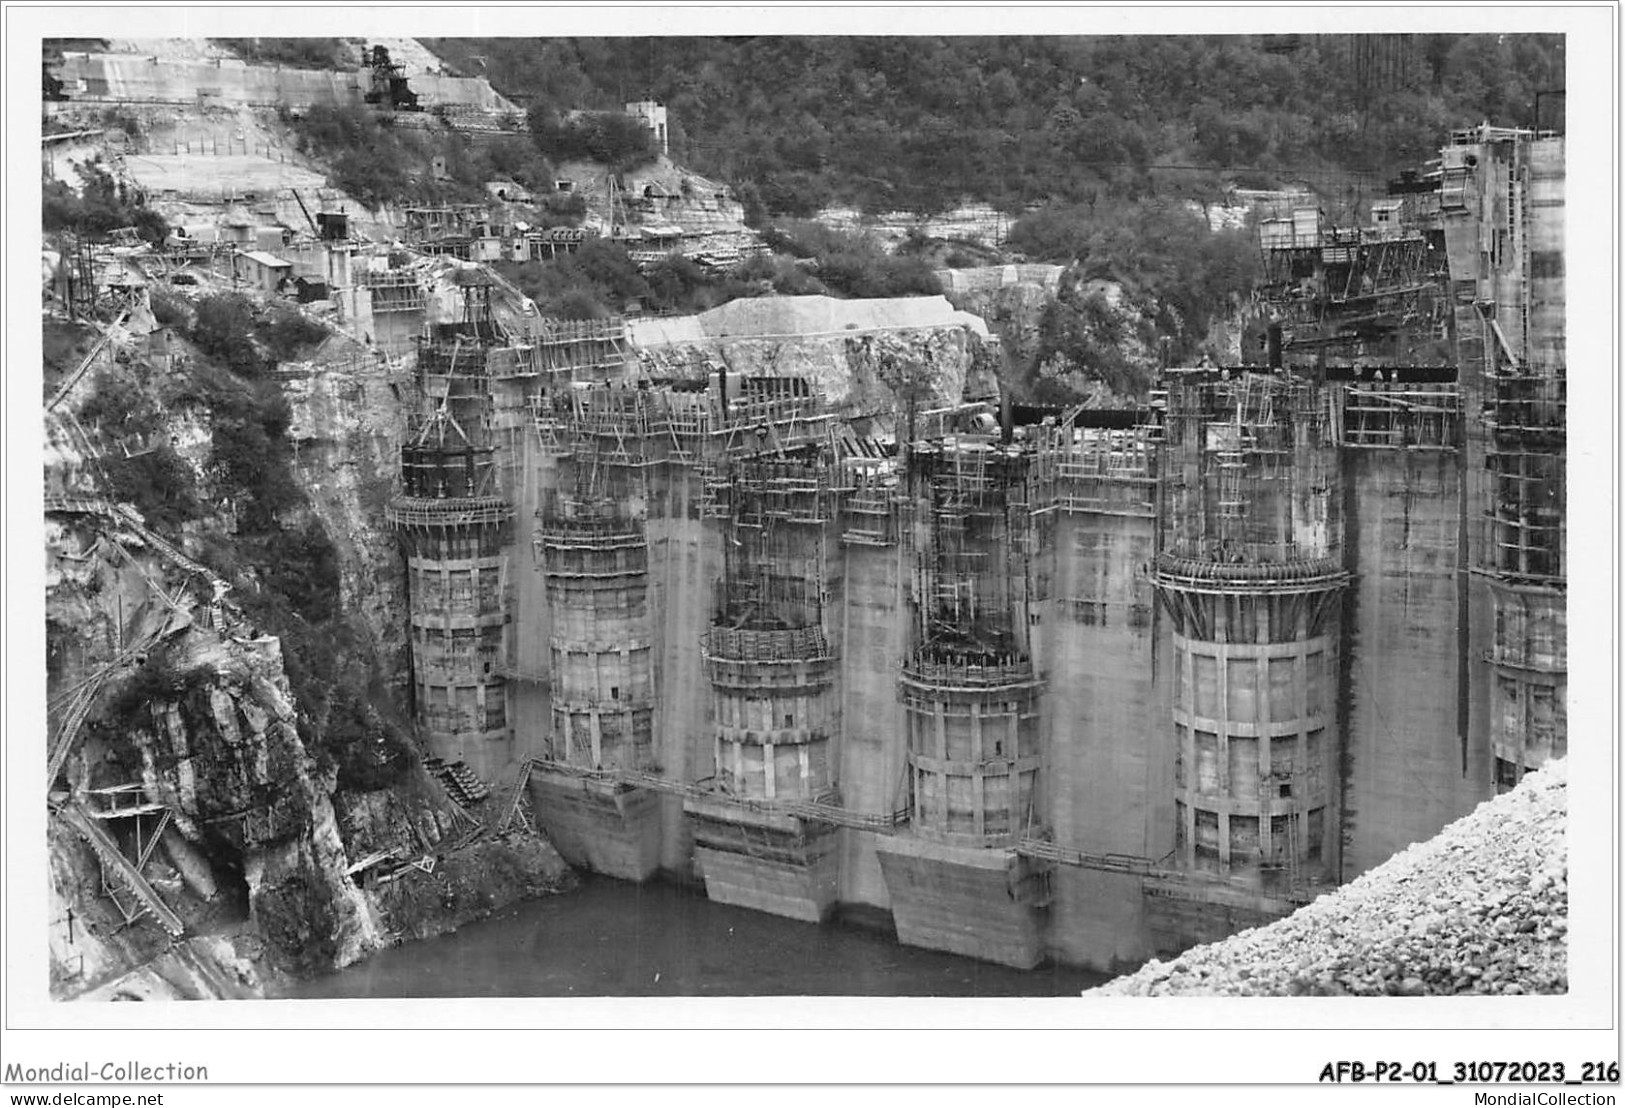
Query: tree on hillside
613, 138
925, 121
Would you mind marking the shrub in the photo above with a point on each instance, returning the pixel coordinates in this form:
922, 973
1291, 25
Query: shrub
102, 207
615, 139
65, 345
303, 567
295, 53
580, 304
224, 328
170, 310
673, 282
750, 199
327, 663
1164, 254
118, 406
1087, 337
563, 208
159, 483
158, 680
853, 266
595, 281
288, 331
607, 265
250, 457
796, 193
229, 329
250, 465
369, 752
859, 274
368, 158
122, 121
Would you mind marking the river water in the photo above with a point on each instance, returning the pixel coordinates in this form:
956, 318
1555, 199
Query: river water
614, 938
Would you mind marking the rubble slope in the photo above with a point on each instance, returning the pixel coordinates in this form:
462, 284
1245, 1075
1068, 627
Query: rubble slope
1481, 908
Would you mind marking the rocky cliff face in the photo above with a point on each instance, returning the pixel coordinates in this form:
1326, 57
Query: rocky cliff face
1069, 340
860, 355
942, 367
867, 372
348, 423
976, 224
204, 837
1012, 299
197, 724
225, 755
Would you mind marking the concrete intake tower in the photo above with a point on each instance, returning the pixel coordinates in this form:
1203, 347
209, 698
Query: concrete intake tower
770, 599
1250, 573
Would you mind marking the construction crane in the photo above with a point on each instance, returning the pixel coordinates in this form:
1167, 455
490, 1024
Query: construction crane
306, 212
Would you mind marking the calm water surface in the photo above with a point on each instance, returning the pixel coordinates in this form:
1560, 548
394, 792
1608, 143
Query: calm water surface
614, 938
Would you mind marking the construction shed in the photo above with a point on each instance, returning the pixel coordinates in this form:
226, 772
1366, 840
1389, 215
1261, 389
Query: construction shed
264, 271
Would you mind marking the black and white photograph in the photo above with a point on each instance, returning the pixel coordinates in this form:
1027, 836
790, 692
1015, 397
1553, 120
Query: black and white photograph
577, 521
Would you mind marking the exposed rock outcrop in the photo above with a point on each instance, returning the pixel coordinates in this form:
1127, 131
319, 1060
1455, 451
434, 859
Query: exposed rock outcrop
226, 758
95, 953
348, 423
1012, 299
238, 857
857, 353
974, 223
470, 884
256, 858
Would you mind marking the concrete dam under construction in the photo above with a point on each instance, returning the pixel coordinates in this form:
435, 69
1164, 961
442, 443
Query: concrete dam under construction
780, 597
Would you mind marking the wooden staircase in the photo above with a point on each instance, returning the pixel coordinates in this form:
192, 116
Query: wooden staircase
461, 782
121, 868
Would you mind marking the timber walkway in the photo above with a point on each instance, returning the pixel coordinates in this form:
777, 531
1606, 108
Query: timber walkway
73, 378
81, 698
112, 858
126, 516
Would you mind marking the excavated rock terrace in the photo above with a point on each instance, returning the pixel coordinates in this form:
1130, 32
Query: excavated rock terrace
1481, 908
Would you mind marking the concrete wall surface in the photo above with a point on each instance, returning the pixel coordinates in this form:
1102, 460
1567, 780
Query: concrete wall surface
227, 80
1408, 777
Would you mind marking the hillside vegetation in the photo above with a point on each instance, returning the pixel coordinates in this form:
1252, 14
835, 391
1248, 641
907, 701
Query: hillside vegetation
917, 123
1100, 144
281, 562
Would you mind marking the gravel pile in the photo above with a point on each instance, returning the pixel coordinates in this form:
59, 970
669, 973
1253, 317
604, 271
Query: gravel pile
1480, 908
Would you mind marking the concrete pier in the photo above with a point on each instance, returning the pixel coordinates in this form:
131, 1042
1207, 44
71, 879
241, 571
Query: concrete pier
981, 903
604, 826
760, 859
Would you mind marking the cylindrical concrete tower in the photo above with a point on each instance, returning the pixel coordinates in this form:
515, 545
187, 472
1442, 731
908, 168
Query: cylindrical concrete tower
772, 677
970, 702
595, 561
973, 755
453, 518
1250, 573
766, 654
452, 529
597, 568
970, 694
771, 694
